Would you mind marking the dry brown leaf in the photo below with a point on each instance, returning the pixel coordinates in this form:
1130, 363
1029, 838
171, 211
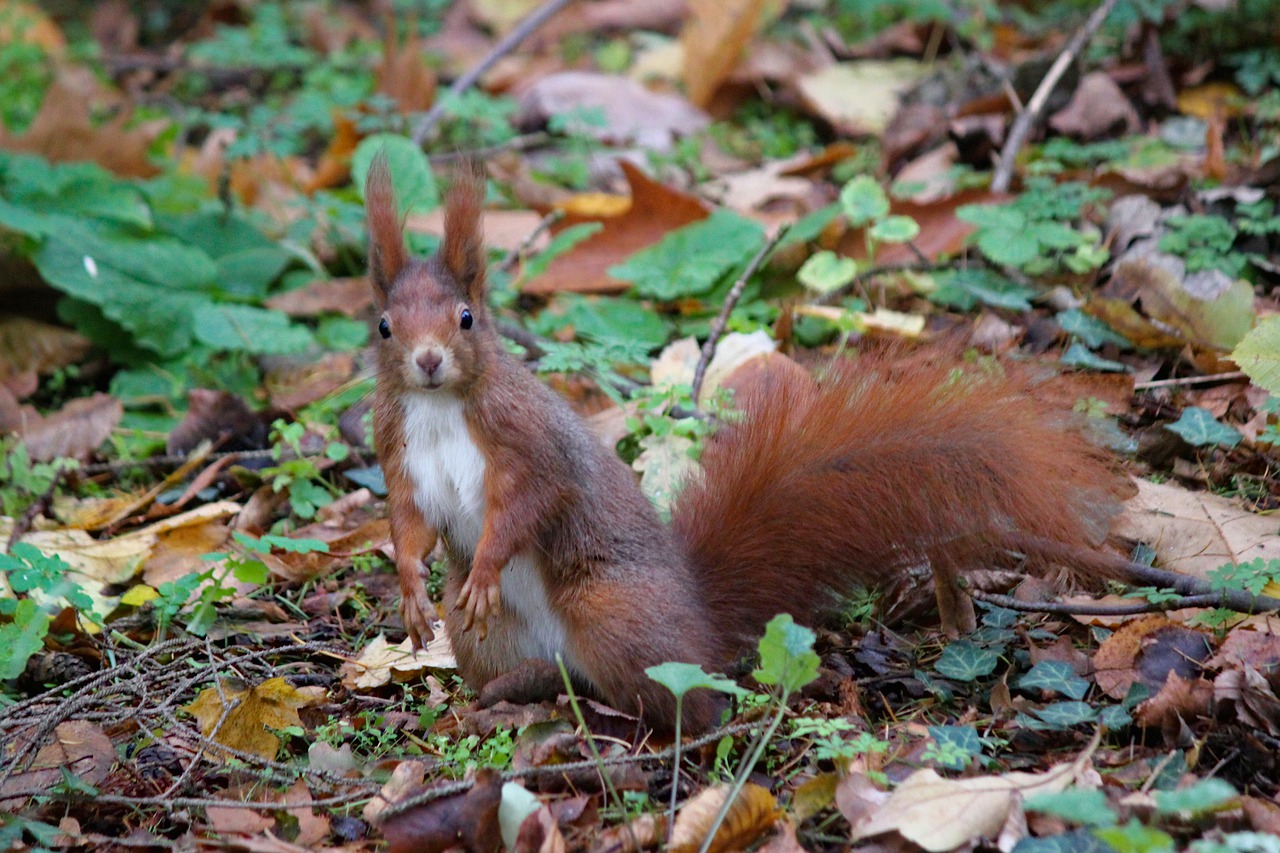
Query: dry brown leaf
1097, 109
75, 430
942, 814
78, 746
30, 346
63, 131
1252, 696
713, 38
468, 821
347, 296
655, 210
752, 814
1194, 533
293, 384
334, 166
503, 229
631, 113
1179, 701
403, 74
249, 712
381, 662
1151, 649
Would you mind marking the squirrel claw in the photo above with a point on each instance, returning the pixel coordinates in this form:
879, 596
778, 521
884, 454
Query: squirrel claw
480, 598
416, 613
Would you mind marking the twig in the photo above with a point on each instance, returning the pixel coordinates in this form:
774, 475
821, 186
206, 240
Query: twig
1190, 380
1090, 609
730, 302
512, 257
1035, 107
508, 43
517, 143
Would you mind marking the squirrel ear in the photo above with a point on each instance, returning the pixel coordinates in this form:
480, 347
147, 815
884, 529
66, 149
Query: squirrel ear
387, 252
463, 248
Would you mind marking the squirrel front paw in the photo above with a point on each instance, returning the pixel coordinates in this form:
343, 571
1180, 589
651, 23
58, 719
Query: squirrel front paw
417, 613
480, 598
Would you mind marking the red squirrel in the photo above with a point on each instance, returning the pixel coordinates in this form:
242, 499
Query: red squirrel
851, 479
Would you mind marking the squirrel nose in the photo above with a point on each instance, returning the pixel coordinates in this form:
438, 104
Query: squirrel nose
429, 360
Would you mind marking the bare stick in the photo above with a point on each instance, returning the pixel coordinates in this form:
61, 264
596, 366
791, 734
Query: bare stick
1093, 609
505, 45
730, 302
1190, 380
1035, 107
508, 263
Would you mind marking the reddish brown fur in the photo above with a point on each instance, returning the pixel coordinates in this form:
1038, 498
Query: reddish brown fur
827, 484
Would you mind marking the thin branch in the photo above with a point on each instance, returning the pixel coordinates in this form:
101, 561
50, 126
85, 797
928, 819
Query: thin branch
513, 257
731, 302
1091, 609
1035, 107
1191, 380
508, 43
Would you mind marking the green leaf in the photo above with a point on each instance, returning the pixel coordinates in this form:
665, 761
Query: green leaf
1055, 676
863, 200
966, 661
1008, 247
342, 333
1258, 354
21, 638
1199, 428
1133, 837
690, 261
896, 229
247, 273
1064, 715
250, 571
1076, 841
1077, 355
615, 320
963, 289
787, 658
809, 226
1201, 797
411, 175
1115, 717
956, 740
826, 271
1090, 330
1078, 805
680, 678
256, 330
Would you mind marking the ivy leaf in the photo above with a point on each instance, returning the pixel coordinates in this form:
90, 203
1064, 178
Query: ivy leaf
1199, 428
787, 657
826, 271
966, 661
965, 288
1088, 807
1055, 676
1092, 332
1064, 715
691, 260
1205, 795
1077, 355
961, 739
896, 229
863, 200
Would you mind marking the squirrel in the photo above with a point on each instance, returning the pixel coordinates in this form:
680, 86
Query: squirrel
855, 478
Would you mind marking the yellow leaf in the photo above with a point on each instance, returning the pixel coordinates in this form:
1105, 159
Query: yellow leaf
1216, 98
139, 595
752, 814
595, 205
246, 713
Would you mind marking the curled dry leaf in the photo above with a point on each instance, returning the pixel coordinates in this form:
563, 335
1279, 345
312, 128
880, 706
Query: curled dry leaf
380, 662
859, 98
29, 346
713, 38
1179, 701
1194, 533
632, 114
643, 833
752, 814
1097, 109
1149, 650
469, 820
246, 714
655, 210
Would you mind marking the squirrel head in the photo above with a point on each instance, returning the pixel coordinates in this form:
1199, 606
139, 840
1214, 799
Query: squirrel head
434, 330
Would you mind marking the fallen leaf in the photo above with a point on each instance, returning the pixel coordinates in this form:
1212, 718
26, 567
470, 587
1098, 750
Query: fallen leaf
79, 747
1098, 109
74, 431
630, 113
753, 812
219, 417
713, 39
859, 98
349, 296
1150, 650
1178, 701
654, 211
64, 131
469, 819
238, 716
1217, 98
292, 384
30, 346
1194, 533
381, 662
943, 814
403, 74
503, 229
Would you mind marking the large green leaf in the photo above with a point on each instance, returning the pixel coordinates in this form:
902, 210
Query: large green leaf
1258, 354
691, 260
411, 175
244, 327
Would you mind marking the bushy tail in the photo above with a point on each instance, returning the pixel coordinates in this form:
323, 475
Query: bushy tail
873, 470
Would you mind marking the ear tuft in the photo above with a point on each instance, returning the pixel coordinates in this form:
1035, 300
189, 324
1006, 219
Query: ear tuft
463, 248
387, 252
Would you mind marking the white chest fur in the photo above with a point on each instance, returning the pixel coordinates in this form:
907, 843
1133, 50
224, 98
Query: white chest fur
447, 469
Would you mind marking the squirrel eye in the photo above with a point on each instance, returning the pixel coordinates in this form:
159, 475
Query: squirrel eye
465, 320
384, 328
